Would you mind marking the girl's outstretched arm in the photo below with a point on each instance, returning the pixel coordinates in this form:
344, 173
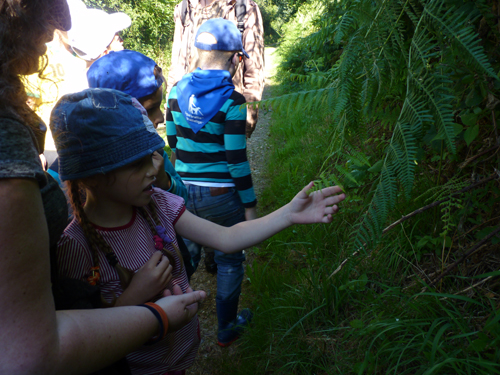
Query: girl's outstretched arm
317, 207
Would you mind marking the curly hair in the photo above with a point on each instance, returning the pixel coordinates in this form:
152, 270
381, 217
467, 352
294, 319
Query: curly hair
25, 26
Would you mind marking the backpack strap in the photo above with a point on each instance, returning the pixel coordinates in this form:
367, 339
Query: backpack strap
184, 11
241, 11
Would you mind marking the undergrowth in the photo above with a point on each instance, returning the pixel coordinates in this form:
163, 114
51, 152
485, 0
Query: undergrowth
397, 102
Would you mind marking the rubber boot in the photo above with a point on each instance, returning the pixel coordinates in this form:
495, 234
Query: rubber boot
231, 324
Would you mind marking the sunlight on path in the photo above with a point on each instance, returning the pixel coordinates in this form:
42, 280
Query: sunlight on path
257, 146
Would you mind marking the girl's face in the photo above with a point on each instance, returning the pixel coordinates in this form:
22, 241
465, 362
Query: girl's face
129, 185
153, 107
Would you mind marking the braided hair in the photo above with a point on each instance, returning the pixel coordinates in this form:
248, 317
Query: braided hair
95, 239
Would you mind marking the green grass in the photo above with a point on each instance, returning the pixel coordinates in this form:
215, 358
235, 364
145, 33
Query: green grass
378, 315
367, 319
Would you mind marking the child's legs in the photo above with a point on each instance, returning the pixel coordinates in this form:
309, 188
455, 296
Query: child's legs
229, 275
226, 210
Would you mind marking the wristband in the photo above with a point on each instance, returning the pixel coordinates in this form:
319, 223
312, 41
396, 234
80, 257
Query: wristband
162, 320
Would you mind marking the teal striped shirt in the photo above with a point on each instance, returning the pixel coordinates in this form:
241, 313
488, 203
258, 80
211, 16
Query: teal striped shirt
217, 153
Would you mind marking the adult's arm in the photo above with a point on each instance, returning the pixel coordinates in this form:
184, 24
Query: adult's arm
253, 69
173, 73
173, 159
317, 207
34, 339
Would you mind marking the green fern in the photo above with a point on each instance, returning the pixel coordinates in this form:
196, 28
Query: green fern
385, 43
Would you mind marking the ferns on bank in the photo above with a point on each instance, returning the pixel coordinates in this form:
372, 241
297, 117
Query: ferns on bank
401, 49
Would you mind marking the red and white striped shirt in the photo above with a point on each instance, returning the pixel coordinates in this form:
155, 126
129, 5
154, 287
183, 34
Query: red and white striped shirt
133, 245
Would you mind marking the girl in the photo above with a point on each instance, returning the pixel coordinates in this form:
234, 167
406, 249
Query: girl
140, 77
35, 338
123, 237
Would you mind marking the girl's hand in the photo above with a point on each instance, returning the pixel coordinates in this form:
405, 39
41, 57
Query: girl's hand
149, 281
317, 207
180, 307
163, 180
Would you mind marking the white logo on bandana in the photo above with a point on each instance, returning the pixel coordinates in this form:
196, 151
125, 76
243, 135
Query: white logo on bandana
196, 111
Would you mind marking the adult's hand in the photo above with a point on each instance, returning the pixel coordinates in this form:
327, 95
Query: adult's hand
180, 307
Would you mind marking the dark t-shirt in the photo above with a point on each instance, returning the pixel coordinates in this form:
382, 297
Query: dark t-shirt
19, 159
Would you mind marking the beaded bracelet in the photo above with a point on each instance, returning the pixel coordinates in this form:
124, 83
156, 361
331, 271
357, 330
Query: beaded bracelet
162, 320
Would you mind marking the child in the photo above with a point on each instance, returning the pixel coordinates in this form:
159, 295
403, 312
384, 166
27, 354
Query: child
105, 144
140, 77
206, 122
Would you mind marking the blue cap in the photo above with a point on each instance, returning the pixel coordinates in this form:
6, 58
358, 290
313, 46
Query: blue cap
99, 130
225, 32
127, 71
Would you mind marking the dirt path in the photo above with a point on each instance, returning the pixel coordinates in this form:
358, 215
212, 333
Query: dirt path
257, 149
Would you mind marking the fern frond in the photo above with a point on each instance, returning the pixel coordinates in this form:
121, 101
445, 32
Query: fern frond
454, 25
441, 191
431, 85
368, 230
343, 27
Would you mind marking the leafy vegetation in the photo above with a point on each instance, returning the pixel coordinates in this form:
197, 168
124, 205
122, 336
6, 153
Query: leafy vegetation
396, 101
275, 15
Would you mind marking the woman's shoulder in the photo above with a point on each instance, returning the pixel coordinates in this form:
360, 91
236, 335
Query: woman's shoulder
14, 129
18, 153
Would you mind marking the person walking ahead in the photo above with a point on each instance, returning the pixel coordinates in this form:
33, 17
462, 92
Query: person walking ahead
189, 15
206, 130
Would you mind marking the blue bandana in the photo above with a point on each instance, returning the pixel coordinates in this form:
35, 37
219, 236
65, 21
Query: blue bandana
201, 94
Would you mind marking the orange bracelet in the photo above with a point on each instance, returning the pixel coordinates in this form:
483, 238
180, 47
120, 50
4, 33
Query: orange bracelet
164, 318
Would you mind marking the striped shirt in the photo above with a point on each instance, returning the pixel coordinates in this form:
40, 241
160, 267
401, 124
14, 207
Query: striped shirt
218, 152
133, 245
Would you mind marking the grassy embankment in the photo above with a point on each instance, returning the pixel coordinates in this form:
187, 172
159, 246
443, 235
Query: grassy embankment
379, 313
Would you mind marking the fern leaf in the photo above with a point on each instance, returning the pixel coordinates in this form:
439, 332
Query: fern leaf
454, 25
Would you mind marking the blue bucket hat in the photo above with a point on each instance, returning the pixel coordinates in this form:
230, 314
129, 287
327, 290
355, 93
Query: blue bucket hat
127, 71
225, 32
100, 130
